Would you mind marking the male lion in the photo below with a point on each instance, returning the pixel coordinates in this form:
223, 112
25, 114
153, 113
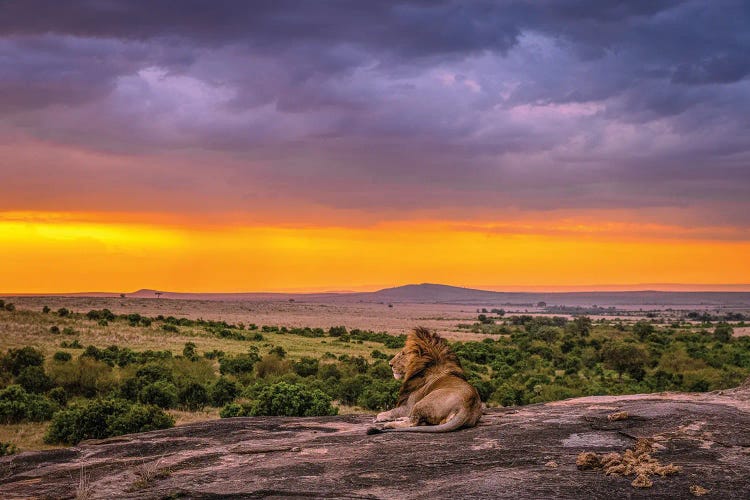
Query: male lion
435, 396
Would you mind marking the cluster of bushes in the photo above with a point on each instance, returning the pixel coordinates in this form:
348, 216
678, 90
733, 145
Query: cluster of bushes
548, 358
7, 306
243, 332
284, 399
101, 418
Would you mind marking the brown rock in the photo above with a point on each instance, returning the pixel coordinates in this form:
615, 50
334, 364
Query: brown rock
331, 457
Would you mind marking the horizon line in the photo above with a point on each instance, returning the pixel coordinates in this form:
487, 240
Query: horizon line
635, 287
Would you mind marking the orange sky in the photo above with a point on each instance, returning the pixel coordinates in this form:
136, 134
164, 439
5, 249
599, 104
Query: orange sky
63, 252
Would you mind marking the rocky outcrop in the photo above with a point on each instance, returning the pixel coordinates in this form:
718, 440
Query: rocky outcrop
526, 452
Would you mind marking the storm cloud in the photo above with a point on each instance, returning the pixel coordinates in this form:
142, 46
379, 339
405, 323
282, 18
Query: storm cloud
391, 108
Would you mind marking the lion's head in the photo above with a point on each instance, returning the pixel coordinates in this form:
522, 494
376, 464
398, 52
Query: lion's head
399, 364
423, 349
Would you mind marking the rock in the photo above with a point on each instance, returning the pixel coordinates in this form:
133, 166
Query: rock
509, 455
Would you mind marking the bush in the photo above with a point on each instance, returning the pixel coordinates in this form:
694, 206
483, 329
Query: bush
33, 379
140, 418
237, 365
18, 359
189, 351
193, 397
46, 309
380, 395
54, 330
62, 356
236, 410
63, 312
723, 332
223, 391
85, 377
102, 418
59, 396
305, 367
10, 307
292, 400
17, 405
278, 351
160, 393
8, 449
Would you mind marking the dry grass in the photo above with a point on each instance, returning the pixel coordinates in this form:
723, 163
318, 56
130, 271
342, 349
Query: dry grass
27, 436
190, 417
85, 489
148, 472
637, 462
30, 328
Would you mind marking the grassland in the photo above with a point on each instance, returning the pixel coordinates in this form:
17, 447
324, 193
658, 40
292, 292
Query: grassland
527, 360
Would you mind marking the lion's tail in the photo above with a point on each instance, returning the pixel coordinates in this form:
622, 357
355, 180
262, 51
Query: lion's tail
458, 420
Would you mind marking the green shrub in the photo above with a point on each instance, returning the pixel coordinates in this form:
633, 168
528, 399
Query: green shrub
46, 309
380, 395
63, 312
8, 449
236, 410
160, 393
292, 400
10, 307
17, 359
223, 391
54, 329
189, 351
74, 344
84, 377
62, 356
193, 397
33, 379
17, 405
102, 418
140, 418
237, 365
59, 396
278, 351
305, 367
723, 332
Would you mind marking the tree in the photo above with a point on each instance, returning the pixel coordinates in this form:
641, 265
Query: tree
625, 357
723, 332
643, 329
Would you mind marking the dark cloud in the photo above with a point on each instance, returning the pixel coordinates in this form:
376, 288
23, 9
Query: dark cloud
410, 105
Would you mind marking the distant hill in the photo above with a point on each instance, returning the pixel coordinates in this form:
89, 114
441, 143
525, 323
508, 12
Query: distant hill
446, 294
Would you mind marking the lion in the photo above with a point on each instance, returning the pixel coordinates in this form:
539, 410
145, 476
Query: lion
435, 396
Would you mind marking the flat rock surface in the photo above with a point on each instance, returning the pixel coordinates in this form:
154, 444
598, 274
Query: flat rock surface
525, 452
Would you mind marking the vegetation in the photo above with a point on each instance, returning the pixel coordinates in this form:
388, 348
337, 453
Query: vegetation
95, 391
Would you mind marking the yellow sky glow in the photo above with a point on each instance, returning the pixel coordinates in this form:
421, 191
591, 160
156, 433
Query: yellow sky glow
49, 253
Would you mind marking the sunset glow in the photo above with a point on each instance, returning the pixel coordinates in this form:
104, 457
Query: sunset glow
102, 256
314, 147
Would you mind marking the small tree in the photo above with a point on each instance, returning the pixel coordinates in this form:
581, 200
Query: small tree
193, 397
625, 357
643, 329
723, 332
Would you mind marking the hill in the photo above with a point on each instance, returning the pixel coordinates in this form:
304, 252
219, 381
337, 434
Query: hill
446, 294
523, 452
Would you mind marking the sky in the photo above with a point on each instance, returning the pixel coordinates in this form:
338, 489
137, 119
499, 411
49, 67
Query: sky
303, 146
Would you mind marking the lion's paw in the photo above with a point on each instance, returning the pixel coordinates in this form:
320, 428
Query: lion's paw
383, 417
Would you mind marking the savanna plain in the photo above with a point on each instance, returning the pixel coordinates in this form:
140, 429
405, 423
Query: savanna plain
77, 368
